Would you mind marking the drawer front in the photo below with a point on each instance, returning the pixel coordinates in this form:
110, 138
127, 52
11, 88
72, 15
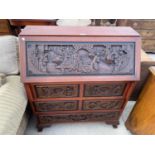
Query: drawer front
56, 91
102, 104
79, 58
79, 117
103, 90
56, 106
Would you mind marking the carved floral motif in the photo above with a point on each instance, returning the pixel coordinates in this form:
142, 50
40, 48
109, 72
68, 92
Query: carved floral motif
102, 104
56, 106
54, 91
71, 58
79, 117
104, 89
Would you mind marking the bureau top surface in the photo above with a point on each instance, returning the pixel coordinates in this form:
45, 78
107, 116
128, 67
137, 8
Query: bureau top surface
78, 31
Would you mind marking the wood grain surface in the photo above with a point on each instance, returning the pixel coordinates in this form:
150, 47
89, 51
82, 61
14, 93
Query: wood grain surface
142, 118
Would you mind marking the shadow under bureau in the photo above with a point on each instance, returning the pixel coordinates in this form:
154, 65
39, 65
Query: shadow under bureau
79, 73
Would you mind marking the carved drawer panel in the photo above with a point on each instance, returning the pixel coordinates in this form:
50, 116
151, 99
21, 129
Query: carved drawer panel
79, 117
56, 106
57, 91
98, 90
80, 58
102, 104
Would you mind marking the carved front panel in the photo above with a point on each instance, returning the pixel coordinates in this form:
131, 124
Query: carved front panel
56, 91
56, 106
102, 104
80, 58
79, 117
99, 90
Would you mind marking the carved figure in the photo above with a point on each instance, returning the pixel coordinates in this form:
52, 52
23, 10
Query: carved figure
79, 58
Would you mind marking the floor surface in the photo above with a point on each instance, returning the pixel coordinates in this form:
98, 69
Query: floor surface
152, 56
83, 128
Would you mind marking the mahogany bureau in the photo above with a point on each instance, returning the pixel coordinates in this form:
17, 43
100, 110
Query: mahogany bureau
79, 73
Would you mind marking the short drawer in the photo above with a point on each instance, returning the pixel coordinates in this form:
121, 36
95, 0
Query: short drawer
102, 104
56, 106
103, 90
56, 91
79, 117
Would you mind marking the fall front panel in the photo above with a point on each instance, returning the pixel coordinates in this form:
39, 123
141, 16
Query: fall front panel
79, 58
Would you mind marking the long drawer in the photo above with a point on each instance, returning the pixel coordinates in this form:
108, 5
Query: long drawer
48, 119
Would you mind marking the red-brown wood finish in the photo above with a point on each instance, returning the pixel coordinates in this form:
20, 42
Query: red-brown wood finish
106, 95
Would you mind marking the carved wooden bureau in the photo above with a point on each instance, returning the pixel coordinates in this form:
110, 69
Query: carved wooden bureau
79, 73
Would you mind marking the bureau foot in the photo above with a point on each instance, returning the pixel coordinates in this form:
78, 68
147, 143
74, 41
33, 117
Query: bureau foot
40, 128
114, 124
